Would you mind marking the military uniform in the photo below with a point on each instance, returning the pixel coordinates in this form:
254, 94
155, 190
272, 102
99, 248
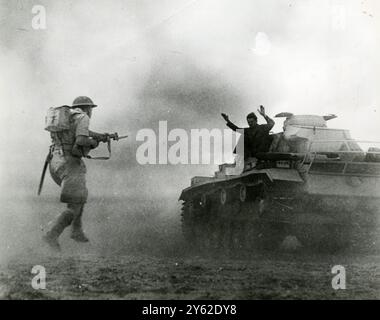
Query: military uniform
66, 169
69, 171
256, 139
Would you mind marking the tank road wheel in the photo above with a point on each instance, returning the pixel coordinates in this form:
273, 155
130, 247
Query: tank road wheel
243, 193
223, 196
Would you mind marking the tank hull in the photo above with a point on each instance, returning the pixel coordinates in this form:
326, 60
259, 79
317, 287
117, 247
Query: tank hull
283, 208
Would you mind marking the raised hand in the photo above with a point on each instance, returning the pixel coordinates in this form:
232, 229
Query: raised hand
225, 117
261, 111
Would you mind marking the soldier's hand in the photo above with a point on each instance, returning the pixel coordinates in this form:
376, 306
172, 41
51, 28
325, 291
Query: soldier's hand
261, 111
104, 137
94, 143
225, 117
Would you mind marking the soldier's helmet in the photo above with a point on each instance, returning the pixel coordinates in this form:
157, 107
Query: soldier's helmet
83, 101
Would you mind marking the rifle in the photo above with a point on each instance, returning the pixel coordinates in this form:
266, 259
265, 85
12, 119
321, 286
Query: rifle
105, 137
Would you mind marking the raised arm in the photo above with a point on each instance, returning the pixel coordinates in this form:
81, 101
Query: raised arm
270, 122
229, 124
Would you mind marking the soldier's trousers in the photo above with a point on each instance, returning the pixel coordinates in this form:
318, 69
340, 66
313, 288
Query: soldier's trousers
70, 173
71, 216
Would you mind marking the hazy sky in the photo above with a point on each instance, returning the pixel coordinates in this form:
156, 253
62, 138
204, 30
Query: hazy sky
182, 61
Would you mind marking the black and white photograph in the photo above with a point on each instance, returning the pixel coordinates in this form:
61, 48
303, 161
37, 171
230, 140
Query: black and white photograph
189, 150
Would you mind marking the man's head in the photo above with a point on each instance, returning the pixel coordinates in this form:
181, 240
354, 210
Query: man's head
85, 103
251, 119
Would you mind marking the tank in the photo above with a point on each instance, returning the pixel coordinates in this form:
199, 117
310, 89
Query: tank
316, 188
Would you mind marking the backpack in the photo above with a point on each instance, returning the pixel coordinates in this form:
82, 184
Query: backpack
58, 119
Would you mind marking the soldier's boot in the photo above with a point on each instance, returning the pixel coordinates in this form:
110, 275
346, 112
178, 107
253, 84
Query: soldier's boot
77, 232
64, 220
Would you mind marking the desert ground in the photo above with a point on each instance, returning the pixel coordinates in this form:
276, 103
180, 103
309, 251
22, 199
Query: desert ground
136, 252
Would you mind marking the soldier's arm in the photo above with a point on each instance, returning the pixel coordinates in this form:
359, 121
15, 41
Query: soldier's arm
86, 142
230, 124
270, 122
82, 133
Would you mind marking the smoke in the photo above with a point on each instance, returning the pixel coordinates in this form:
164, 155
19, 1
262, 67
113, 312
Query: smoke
180, 61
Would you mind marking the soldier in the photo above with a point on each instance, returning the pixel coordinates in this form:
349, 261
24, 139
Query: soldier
256, 136
69, 171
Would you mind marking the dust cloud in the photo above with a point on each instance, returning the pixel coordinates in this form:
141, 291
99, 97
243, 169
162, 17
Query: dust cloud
180, 61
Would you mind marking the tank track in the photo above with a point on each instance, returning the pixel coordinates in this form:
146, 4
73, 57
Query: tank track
243, 218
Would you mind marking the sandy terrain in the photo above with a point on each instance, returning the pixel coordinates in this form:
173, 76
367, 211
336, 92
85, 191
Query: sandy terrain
92, 276
143, 256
